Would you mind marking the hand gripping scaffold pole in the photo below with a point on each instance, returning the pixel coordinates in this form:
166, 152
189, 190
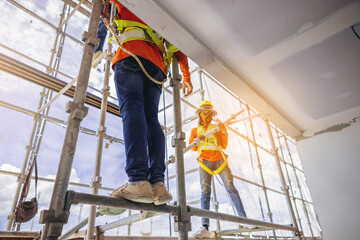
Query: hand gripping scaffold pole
57, 215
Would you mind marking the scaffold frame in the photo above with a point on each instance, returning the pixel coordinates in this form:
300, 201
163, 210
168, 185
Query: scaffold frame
62, 199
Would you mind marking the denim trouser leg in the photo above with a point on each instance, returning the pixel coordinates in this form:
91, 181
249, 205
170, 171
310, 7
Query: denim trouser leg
205, 180
155, 135
228, 180
101, 34
138, 102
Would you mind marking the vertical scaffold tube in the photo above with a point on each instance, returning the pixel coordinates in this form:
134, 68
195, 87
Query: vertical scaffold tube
57, 215
282, 179
182, 220
96, 182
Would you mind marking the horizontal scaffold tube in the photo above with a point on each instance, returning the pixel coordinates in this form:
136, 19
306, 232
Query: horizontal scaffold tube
16, 68
231, 218
98, 200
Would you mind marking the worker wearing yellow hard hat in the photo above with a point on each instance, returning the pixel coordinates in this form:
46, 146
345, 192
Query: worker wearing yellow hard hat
212, 160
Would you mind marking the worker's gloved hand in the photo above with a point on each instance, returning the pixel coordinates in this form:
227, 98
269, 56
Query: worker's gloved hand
222, 128
201, 137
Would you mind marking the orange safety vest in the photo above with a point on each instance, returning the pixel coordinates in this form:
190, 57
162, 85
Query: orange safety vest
140, 48
210, 143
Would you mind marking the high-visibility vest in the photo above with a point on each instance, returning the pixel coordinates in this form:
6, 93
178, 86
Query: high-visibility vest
133, 30
210, 143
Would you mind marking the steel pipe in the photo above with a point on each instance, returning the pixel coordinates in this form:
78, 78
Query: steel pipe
231, 218
283, 182
57, 121
96, 181
77, 111
98, 200
16, 68
182, 220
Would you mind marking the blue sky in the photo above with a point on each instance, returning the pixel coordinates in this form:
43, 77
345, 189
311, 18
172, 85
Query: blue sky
35, 39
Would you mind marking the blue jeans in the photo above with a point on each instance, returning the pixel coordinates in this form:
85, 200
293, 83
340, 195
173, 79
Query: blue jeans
227, 178
139, 102
101, 34
101, 31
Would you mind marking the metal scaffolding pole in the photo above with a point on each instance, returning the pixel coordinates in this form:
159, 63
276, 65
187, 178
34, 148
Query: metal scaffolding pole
285, 188
57, 215
21, 178
35, 138
129, 225
182, 219
96, 181
260, 169
57, 121
299, 187
214, 199
290, 183
33, 75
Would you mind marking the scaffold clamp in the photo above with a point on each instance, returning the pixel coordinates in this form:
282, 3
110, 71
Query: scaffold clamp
175, 80
285, 189
88, 39
179, 138
171, 159
76, 112
47, 216
101, 129
185, 218
96, 182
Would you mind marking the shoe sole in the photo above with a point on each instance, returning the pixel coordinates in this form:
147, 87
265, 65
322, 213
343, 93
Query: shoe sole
137, 198
163, 200
111, 211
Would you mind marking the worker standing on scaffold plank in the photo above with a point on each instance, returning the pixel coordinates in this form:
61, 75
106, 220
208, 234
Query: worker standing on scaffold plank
138, 80
212, 160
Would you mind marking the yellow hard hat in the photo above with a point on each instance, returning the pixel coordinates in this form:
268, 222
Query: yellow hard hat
206, 106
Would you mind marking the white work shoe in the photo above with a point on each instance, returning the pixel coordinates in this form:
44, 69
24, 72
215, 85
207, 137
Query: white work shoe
202, 233
160, 193
135, 191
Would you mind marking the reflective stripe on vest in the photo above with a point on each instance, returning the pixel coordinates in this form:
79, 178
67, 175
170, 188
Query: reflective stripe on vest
210, 144
127, 25
170, 49
131, 30
133, 34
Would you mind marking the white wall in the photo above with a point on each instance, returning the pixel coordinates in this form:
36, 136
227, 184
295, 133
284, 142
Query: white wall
331, 163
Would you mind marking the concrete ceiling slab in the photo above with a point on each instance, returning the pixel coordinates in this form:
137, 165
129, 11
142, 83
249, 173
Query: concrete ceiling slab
222, 38
325, 78
262, 24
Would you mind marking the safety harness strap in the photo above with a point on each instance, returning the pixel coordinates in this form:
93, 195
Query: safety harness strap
211, 172
210, 146
126, 27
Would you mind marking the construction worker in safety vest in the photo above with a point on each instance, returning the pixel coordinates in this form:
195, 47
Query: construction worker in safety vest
138, 102
212, 160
